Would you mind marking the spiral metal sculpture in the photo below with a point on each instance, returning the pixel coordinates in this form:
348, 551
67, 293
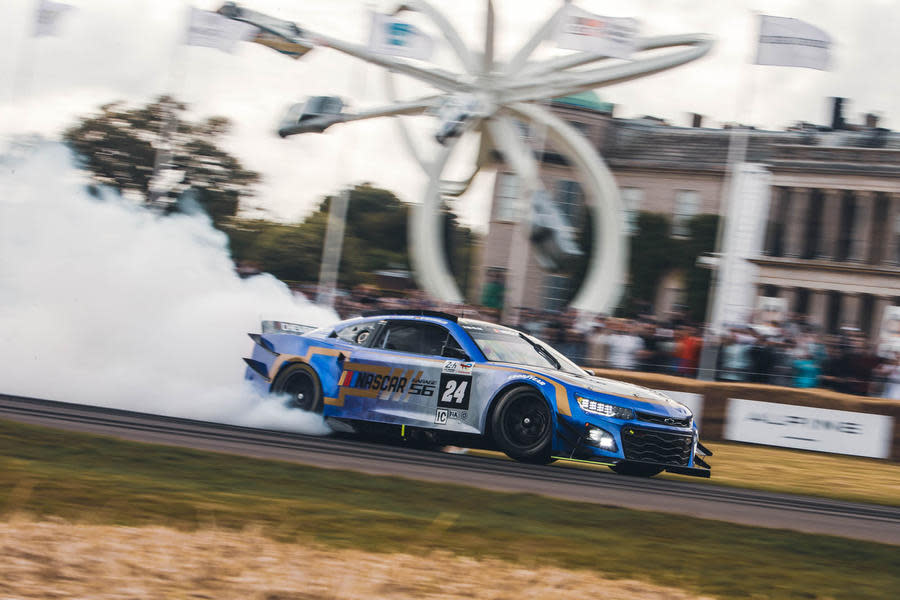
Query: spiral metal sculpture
487, 99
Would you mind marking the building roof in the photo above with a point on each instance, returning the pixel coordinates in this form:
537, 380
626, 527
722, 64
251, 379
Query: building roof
639, 144
587, 100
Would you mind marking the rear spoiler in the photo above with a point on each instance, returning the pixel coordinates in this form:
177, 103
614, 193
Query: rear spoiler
285, 327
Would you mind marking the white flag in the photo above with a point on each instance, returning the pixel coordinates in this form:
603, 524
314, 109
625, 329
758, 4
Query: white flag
610, 36
215, 31
398, 38
48, 17
788, 42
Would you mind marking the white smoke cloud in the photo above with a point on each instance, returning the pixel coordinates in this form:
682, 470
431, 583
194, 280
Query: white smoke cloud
110, 304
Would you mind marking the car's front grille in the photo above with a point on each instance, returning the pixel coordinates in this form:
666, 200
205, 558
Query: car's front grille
661, 420
652, 445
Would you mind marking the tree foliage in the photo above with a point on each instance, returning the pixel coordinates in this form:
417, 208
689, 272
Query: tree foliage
121, 145
654, 253
375, 238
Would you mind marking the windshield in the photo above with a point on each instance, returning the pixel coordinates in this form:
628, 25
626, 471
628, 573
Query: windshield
503, 344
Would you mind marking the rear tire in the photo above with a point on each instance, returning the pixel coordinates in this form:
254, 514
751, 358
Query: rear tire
637, 469
299, 382
522, 425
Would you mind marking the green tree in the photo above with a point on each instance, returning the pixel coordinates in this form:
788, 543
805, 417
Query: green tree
120, 146
702, 240
654, 253
375, 238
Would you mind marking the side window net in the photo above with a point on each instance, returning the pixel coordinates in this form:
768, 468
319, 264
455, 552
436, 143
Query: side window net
356, 334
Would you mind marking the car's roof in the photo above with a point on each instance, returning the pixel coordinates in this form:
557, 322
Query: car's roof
410, 313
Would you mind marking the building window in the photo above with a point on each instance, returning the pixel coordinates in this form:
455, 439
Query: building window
556, 291
583, 128
867, 314
524, 130
632, 199
896, 233
801, 301
687, 205
569, 199
845, 235
507, 197
833, 312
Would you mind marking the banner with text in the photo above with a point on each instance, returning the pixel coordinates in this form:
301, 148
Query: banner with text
786, 42
393, 36
806, 428
612, 36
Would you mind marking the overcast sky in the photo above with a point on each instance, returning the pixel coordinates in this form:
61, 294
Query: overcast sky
130, 50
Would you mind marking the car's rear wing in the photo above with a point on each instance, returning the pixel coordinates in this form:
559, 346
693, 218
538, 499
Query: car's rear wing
285, 327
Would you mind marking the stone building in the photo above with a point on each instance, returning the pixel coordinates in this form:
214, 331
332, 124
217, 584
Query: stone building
831, 243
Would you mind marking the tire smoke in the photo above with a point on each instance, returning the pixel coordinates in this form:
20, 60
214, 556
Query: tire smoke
107, 303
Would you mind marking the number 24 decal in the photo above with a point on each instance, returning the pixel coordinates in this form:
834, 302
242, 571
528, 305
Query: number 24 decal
455, 392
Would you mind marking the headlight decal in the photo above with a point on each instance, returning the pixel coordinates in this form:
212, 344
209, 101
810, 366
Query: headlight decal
603, 409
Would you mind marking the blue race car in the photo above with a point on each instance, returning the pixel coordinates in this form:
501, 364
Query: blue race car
436, 379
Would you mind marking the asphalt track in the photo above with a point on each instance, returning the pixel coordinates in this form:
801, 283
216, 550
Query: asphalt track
698, 499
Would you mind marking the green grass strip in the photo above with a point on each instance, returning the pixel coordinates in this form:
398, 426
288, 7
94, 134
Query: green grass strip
100, 480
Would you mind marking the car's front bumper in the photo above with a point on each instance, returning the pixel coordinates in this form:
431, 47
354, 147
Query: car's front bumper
676, 450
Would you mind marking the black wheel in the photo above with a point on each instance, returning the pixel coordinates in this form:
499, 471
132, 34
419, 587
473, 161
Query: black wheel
300, 384
522, 425
636, 469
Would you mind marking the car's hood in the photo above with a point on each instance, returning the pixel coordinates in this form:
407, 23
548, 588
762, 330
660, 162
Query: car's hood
625, 394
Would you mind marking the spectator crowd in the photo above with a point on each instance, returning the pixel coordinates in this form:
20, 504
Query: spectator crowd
791, 353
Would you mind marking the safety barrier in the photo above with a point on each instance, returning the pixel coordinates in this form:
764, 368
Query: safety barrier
811, 419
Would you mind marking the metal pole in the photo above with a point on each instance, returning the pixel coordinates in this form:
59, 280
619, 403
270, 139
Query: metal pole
331, 250
520, 249
738, 142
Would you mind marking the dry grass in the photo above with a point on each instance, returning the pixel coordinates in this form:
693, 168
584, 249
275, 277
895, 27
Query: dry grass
377, 536
55, 559
788, 471
798, 472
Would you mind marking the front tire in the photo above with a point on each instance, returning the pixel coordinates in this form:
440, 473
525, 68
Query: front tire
522, 425
301, 385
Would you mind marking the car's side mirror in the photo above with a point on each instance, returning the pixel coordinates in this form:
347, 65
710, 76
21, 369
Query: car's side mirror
589, 372
451, 352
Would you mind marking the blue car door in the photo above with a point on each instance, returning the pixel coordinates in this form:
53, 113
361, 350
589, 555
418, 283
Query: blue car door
401, 378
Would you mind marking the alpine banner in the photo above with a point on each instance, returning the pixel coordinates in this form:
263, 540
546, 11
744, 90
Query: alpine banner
808, 428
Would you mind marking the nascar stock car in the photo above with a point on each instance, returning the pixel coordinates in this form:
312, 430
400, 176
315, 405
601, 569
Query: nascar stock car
436, 379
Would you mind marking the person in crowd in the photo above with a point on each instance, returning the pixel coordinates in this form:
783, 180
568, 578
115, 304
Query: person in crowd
791, 353
805, 370
734, 359
783, 368
762, 359
598, 349
651, 360
687, 351
889, 371
624, 346
493, 291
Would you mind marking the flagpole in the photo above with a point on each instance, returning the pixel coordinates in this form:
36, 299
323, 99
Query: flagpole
780, 41
738, 143
333, 245
24, 74
165, 152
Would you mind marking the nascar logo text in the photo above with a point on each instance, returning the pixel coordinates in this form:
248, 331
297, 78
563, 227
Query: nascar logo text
373, 381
